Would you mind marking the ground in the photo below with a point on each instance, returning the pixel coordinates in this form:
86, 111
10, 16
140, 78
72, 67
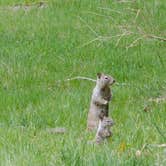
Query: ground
43, 46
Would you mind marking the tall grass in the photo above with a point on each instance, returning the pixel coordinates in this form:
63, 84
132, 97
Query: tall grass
39, 47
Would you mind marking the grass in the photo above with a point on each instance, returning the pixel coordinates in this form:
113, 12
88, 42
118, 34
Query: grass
71, 38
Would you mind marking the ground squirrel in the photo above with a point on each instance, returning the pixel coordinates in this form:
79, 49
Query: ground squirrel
99, 101
103, 131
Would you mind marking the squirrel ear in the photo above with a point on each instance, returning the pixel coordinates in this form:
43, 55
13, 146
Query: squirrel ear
98, 75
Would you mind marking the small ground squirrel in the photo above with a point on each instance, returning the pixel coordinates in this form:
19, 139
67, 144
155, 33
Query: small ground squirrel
103, 131
100, 99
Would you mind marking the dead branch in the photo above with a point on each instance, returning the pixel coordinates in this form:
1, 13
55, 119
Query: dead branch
80, 78
158, 145
156, 37
89, 79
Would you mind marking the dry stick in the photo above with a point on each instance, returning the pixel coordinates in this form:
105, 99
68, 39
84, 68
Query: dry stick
80, 78
89, 79
158, 145
156, 37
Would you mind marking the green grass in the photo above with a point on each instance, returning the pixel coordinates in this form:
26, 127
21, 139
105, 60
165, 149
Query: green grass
41, 46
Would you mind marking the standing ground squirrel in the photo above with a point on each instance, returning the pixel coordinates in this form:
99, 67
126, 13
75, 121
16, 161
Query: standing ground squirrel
100, 100
103, 131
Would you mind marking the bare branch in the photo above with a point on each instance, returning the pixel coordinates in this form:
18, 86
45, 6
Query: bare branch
89, 79
80, 78
156, 37
158, 145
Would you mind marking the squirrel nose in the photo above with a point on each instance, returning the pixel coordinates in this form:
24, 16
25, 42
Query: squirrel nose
114, 81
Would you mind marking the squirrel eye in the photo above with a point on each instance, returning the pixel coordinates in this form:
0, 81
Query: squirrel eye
106, 78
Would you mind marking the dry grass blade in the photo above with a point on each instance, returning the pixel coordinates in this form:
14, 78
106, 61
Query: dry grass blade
91, 29
109, 9
138, 12
102, 15
134, 43
124, 1
89, 42
123, 34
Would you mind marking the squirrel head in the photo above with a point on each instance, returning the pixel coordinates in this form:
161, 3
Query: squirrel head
104, 80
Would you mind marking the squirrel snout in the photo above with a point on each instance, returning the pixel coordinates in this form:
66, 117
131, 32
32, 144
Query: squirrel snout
113, 81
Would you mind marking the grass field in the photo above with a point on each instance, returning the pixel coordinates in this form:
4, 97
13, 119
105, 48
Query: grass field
41, 46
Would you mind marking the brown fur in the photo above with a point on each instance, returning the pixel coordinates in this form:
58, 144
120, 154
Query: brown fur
100, 100
103, 131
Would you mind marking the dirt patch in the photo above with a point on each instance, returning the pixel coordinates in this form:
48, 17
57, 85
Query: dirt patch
26, 7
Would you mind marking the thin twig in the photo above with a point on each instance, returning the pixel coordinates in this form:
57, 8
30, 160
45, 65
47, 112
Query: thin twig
158, 145
79, 78
156, 37
89, 79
